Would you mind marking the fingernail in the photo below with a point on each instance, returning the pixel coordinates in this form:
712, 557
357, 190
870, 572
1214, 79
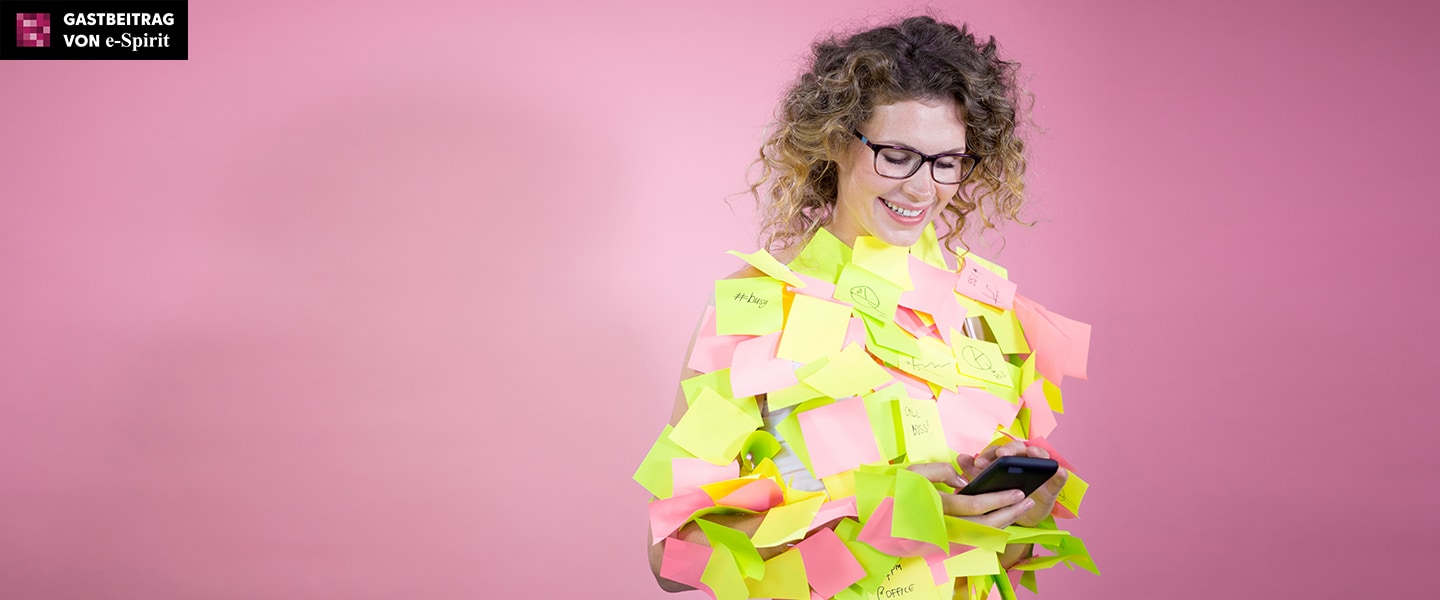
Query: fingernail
1017, 495
1027, 504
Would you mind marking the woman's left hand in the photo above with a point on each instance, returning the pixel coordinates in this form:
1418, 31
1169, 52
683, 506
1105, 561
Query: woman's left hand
1044, 497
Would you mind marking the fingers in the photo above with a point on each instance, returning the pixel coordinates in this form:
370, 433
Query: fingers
1003, 517
969, 506
939, 473
1014, 448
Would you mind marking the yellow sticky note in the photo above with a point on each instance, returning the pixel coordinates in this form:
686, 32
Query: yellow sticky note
762, 260
981, 359
994, 268
814, 328
975, 534
750, 306
840, 485
890, 262
718, 381
935, 364
786, 523
869, 293
918, 514
1053, 398
928, 249
924, 437
713, 428
850, 373
791, 396
1041, 562
909, 580
784, 578
823, 257
1073, 493
1007, 332
974, 562
1035, 535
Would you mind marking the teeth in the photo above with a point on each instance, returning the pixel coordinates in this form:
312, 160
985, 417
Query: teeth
900, 211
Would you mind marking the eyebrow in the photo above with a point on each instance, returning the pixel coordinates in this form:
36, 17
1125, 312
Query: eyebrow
960, 150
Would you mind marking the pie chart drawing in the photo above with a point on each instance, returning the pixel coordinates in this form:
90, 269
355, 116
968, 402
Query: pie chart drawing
974, 358
864, 296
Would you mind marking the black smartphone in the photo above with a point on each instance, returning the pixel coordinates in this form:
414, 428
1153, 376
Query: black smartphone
1013, 473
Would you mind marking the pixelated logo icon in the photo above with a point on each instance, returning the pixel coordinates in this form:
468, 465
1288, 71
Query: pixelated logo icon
32, 30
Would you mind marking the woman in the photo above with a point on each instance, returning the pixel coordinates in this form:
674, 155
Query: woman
890, 131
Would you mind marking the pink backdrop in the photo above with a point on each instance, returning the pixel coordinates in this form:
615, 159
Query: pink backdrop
371, 301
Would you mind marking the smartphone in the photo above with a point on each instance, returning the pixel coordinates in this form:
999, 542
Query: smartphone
1013, 473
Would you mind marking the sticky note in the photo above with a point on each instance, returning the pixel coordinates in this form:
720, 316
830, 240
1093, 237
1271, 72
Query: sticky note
969, 417
918, 514
787, 523
723, 577
849, 373
654, 472
712, 352
1079, 335
691, 473
936, 364
814, 328
979, 535
834, 509
981, 360
877, 533
890, 335
739, 545
980, 283
890, 262
1073, 492
923, 433
822, 257
815, 288
792, 395
684, 562
884, 416
928, 248
784, 578
910, 579
749, 306
756, 369
762, 260
716, 381
1042, 419
838, 437
973, 562
713, 429
1048, 343
828, 563
758, 495
1034, 535
666, 516
1007, 332
867, 292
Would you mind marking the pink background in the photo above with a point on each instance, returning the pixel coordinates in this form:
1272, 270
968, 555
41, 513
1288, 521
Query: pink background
372, 300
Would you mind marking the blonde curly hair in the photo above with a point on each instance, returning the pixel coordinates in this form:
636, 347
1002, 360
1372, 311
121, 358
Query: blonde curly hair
918, 58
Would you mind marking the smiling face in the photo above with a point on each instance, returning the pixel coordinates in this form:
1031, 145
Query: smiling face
896, 210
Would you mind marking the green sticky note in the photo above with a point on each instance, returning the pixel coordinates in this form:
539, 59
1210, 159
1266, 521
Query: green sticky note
723, 576
750, 306
970, 533
654, 472
867, 292
784, 578
789, 430
889, 335
1002, 583
1027, 579
717, 381
739, 545
762, 260
1076, 554
791, 396
877, 564
814, 328
1034, 535
1007, 332
759, 445
1042, 562
872, 485
935, 364
918, 514
823, 257
884, 415
713, 428
928, 249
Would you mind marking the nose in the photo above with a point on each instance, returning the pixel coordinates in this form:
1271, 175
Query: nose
920, 185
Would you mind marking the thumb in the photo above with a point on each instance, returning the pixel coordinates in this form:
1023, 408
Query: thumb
965, 464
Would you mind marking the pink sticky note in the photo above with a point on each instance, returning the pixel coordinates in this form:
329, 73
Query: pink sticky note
684, 562
984, 285
828, 563
755, 370
814, 287
969, 417
1041, 442
936, 562
855, 334
1051, 346
1042, 419
669, 514
834, 509
1079, 335
876, 533
932, 287
909, 321
690, 473
713, 352
759, 495
838, 436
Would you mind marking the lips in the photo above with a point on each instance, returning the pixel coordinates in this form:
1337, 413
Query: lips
902, 213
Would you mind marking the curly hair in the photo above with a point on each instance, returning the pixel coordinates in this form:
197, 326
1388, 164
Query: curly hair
916, 59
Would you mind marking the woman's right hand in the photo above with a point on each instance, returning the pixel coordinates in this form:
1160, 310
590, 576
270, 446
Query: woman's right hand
995, 509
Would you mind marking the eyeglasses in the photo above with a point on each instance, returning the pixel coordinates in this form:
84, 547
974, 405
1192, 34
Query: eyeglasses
899, 162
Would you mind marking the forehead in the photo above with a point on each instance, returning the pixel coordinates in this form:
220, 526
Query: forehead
930, 126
